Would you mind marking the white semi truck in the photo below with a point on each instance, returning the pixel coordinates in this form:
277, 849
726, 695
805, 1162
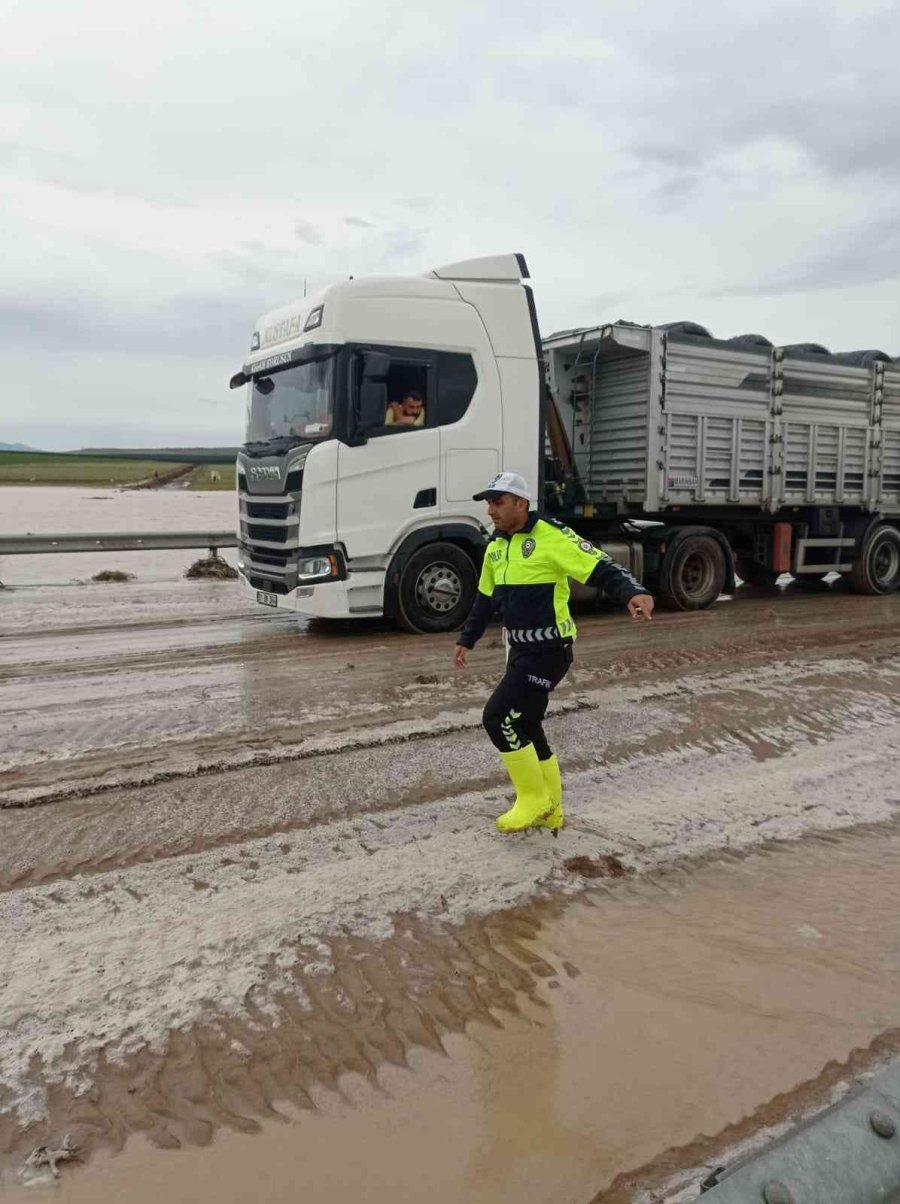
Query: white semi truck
689, 458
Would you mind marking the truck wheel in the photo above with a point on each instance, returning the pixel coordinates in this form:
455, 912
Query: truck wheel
751, 572
436, 589
692, 574
878, 569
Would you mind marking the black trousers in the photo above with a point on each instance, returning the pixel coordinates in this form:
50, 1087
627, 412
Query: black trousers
515, 711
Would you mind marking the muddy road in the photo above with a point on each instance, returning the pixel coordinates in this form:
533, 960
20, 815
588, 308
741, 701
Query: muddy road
251, 895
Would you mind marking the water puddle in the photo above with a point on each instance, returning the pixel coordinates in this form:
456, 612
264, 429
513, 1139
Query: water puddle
535, 1055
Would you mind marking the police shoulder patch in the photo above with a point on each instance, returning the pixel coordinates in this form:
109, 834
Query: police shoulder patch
586, 546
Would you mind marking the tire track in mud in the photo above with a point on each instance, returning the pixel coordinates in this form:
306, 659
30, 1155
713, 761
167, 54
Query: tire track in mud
114, 827
284, 723
119, 958
346, 1006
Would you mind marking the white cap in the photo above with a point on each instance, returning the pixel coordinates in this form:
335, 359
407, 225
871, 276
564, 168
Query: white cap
504, 482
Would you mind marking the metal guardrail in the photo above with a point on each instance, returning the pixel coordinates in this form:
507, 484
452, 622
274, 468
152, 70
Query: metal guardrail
849, 1154
116, 541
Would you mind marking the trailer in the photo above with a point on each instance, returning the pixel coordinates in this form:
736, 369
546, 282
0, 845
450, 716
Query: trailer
692, 460
752, 458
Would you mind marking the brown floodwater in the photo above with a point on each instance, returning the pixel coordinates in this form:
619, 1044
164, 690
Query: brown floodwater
56, 509
650, 1014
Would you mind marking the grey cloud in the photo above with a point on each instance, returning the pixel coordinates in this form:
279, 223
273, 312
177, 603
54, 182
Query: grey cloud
867, 254
676, 188
418, 204
605, 303
45, 323
307, 232
187, 326
89, 175
268, 270
681, 87
360, 222
684, 87
837, 134
594, 310
401, 247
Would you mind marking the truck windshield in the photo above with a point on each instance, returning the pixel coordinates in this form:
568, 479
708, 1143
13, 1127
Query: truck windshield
296, 403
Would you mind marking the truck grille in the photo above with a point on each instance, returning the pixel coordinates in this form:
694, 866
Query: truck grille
267, 509
270, 524
256, 531
278, 560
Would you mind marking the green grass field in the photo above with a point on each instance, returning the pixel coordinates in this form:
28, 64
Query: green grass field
202, 478
45, 468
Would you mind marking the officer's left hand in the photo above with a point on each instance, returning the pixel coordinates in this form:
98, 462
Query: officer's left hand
641, 606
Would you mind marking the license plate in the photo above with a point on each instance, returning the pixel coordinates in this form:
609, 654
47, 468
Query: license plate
266, 599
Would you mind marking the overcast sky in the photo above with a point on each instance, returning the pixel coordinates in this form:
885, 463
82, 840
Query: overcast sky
171, 170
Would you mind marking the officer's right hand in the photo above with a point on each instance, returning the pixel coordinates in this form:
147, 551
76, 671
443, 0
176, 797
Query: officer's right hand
459, 656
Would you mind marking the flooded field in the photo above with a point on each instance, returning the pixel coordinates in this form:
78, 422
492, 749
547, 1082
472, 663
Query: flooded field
48, 509
259, 935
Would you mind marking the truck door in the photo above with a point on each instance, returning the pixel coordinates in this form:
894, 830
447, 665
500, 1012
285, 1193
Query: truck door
392, 480
471, 429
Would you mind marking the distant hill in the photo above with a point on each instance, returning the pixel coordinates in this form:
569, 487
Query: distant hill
193, 455
17, 447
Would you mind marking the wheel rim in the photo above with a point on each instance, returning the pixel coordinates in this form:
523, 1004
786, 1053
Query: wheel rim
885, 563
697, 575
438, 588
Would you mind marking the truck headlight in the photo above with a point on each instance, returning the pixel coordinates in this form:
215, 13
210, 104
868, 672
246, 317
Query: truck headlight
317, 566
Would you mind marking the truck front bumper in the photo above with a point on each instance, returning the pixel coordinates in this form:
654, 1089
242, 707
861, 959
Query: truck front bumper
359, 596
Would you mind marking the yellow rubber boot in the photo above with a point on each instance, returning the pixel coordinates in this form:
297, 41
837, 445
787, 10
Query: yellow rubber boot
532, 803
553, 782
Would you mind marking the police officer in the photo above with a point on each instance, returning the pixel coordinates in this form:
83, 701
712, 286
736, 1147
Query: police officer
525, 575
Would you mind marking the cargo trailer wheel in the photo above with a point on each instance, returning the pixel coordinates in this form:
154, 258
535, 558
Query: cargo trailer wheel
436, 589
692, 573
878, 569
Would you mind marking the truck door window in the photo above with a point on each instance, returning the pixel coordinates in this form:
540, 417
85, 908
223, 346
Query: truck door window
457, 380
426, 388
407, 391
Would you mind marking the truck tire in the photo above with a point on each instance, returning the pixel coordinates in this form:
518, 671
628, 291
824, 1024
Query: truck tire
692, 573
877, 571
436, 589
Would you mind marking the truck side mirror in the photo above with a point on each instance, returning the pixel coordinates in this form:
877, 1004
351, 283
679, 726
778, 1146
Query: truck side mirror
372, 404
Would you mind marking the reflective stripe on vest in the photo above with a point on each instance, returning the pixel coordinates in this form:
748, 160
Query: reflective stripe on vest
531, 635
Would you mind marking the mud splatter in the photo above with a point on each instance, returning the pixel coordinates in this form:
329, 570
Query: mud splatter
607, 865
